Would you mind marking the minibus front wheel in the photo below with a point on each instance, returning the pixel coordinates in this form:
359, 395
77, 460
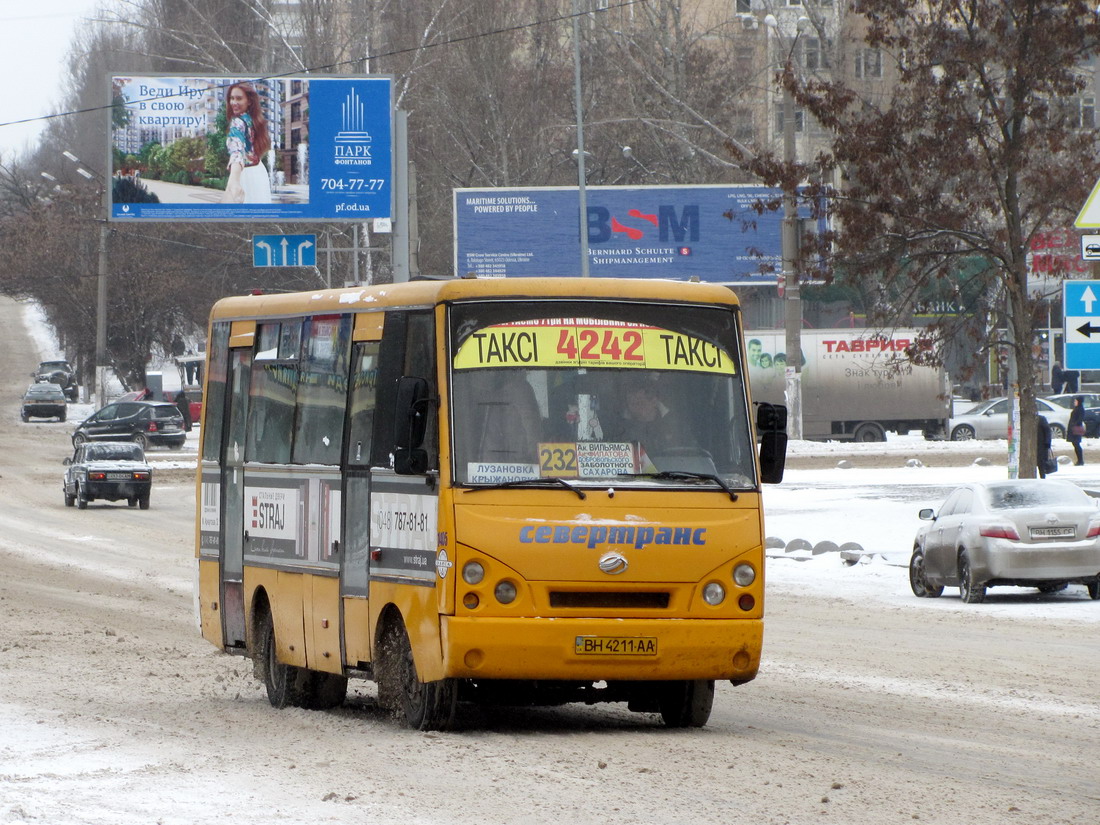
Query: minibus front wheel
425, 705
686, 704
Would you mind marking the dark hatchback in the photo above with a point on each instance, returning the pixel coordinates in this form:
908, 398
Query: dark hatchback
142, 422
43, 401
107, 470
60, 373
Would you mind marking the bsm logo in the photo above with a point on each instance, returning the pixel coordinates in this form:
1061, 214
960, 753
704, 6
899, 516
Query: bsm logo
672, 226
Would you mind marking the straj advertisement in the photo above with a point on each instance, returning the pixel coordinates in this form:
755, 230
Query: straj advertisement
241, 149
719, 234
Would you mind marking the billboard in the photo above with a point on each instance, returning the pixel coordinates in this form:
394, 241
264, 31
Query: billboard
236, 149
718, 234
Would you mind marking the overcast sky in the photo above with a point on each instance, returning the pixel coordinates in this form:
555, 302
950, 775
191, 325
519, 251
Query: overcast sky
34, 39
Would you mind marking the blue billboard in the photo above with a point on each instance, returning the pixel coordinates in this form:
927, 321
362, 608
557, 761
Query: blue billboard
234, 149
719, 234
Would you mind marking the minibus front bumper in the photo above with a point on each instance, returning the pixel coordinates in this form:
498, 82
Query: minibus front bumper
601, 649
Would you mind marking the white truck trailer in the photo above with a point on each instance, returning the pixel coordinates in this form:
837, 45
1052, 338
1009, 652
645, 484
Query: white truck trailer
857, 384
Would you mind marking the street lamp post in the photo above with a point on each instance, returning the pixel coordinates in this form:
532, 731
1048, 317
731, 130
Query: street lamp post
792, 298
101, 362
101, 319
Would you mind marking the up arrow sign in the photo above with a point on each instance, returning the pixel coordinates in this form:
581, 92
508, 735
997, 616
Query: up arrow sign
1088, 298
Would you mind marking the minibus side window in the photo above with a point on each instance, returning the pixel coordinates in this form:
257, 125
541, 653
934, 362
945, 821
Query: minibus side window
213, 407
408, 349
273, 389
364, 389
322, 390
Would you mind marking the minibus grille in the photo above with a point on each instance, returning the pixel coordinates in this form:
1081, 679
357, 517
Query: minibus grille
611, 601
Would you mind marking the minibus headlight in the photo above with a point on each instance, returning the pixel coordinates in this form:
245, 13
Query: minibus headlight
714, 594
744, 575
505, 592
473, 572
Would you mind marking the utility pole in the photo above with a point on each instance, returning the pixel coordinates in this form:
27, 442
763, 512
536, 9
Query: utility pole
583, 206
792, 297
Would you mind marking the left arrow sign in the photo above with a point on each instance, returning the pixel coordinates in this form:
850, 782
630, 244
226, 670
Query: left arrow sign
1087, 329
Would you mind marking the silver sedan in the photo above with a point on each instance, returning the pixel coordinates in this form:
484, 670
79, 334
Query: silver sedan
989, 419
1027, 533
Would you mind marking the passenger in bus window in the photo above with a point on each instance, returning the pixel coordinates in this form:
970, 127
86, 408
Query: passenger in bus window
509, 420
645, 417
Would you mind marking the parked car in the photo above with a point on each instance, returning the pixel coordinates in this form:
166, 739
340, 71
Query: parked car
989, 419
43, 401
142, 422
1025, 533
60, 373
1092, 409
107, 470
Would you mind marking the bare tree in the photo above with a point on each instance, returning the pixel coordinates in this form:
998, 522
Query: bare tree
979, 146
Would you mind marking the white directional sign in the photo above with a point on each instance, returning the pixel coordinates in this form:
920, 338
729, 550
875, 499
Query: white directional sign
1081, 301
1090, 247
284, 250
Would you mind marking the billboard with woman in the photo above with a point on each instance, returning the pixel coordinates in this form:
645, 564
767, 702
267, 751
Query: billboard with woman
240, 149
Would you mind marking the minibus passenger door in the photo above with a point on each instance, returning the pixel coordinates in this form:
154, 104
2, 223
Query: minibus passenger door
355, 570
232, 508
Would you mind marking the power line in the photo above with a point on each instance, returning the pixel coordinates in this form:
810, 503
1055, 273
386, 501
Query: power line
395, 53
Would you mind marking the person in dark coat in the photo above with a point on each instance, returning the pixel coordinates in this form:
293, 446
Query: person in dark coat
1077, 428
1057, 379
1072, 379
1043, 454
183, 404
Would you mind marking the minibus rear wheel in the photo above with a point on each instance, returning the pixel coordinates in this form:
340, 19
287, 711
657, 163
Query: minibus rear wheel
281, 681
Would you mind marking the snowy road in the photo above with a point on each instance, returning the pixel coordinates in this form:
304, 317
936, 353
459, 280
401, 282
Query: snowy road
872, 706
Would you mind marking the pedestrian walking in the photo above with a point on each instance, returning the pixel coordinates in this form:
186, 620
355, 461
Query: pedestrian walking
1077, 428
1044, 455
183, 404
1057, 378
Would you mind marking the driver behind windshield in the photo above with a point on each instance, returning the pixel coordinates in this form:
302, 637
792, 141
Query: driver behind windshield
645, 418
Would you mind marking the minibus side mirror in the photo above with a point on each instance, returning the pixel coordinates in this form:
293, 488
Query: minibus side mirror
771, 417
411, 411
771, 423
773, 456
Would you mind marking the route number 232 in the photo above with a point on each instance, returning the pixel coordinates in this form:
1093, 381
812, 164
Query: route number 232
557, 459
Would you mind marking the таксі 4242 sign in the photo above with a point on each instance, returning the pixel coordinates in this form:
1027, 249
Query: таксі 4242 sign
240, 149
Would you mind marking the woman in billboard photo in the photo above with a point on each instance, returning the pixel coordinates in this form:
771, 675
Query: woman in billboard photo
247, 143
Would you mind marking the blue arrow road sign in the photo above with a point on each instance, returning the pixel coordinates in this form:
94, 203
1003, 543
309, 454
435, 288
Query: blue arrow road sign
1081, 305
284, 250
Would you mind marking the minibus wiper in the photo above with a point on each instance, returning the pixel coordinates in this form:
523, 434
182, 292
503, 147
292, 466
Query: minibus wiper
684, 474
527, 482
